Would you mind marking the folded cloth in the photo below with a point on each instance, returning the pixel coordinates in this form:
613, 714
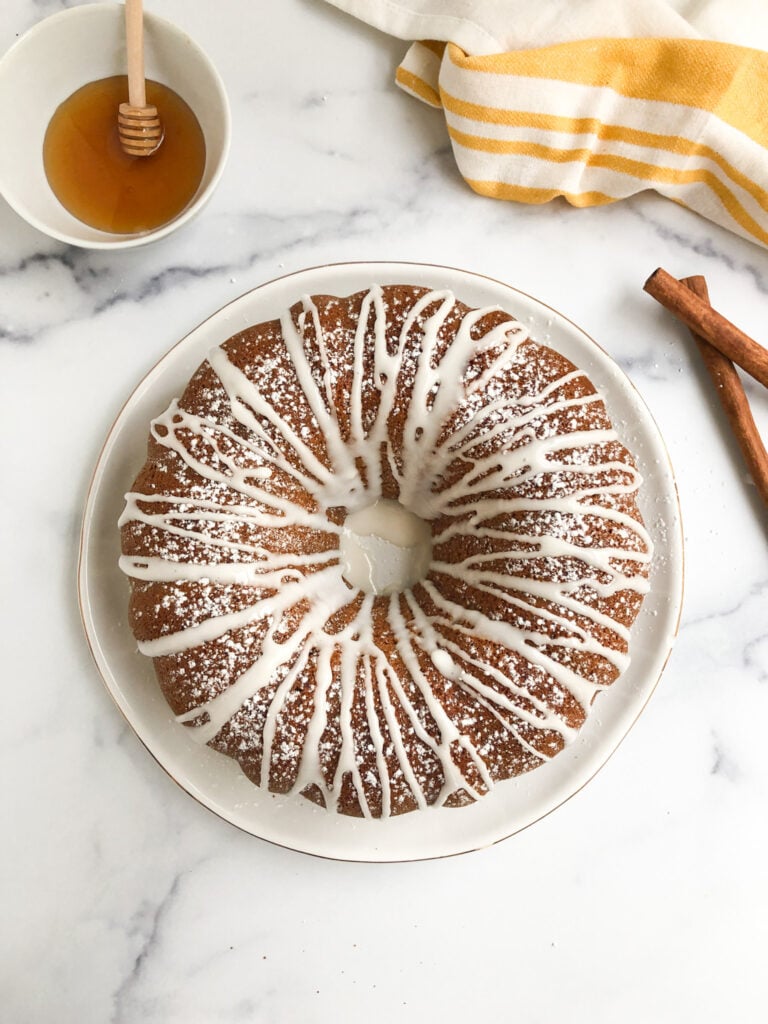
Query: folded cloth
537, 107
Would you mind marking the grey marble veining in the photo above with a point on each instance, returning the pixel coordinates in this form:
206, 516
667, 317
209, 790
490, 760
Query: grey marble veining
642, 898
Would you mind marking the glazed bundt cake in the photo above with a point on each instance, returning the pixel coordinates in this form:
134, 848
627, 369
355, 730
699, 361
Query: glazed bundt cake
385, 551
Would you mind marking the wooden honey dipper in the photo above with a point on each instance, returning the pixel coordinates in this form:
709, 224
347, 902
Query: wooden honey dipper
139, 125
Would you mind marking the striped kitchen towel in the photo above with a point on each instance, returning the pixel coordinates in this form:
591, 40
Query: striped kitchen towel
594, 119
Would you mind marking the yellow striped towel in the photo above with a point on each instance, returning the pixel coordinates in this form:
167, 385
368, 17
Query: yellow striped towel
596, 120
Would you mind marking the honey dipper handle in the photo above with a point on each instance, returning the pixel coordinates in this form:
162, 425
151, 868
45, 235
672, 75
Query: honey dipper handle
134, 41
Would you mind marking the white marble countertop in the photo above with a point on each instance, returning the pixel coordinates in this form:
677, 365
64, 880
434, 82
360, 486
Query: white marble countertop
642, 898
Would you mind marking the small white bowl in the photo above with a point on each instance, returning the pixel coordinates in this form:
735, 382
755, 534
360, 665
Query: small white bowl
63, 53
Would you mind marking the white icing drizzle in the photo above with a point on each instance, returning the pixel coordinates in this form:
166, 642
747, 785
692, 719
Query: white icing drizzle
526, 492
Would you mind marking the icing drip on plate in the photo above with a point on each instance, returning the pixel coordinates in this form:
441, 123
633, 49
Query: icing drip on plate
385, 548
376, 691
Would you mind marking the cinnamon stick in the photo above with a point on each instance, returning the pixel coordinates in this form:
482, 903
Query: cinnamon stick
733, 398
709, 324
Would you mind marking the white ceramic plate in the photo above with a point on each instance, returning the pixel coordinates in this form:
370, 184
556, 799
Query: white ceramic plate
215, 780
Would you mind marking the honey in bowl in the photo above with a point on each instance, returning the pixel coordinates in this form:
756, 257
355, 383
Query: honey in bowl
98, 182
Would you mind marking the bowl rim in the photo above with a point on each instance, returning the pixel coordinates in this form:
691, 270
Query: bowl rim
110, 241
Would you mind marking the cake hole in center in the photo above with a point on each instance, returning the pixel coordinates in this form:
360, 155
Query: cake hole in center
384, 548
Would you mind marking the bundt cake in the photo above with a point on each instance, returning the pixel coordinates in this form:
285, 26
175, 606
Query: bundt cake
385, 551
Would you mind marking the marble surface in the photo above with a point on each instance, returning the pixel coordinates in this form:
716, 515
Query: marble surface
644, 897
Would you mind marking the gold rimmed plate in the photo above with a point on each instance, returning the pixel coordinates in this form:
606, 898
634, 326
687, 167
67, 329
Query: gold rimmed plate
216, 781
